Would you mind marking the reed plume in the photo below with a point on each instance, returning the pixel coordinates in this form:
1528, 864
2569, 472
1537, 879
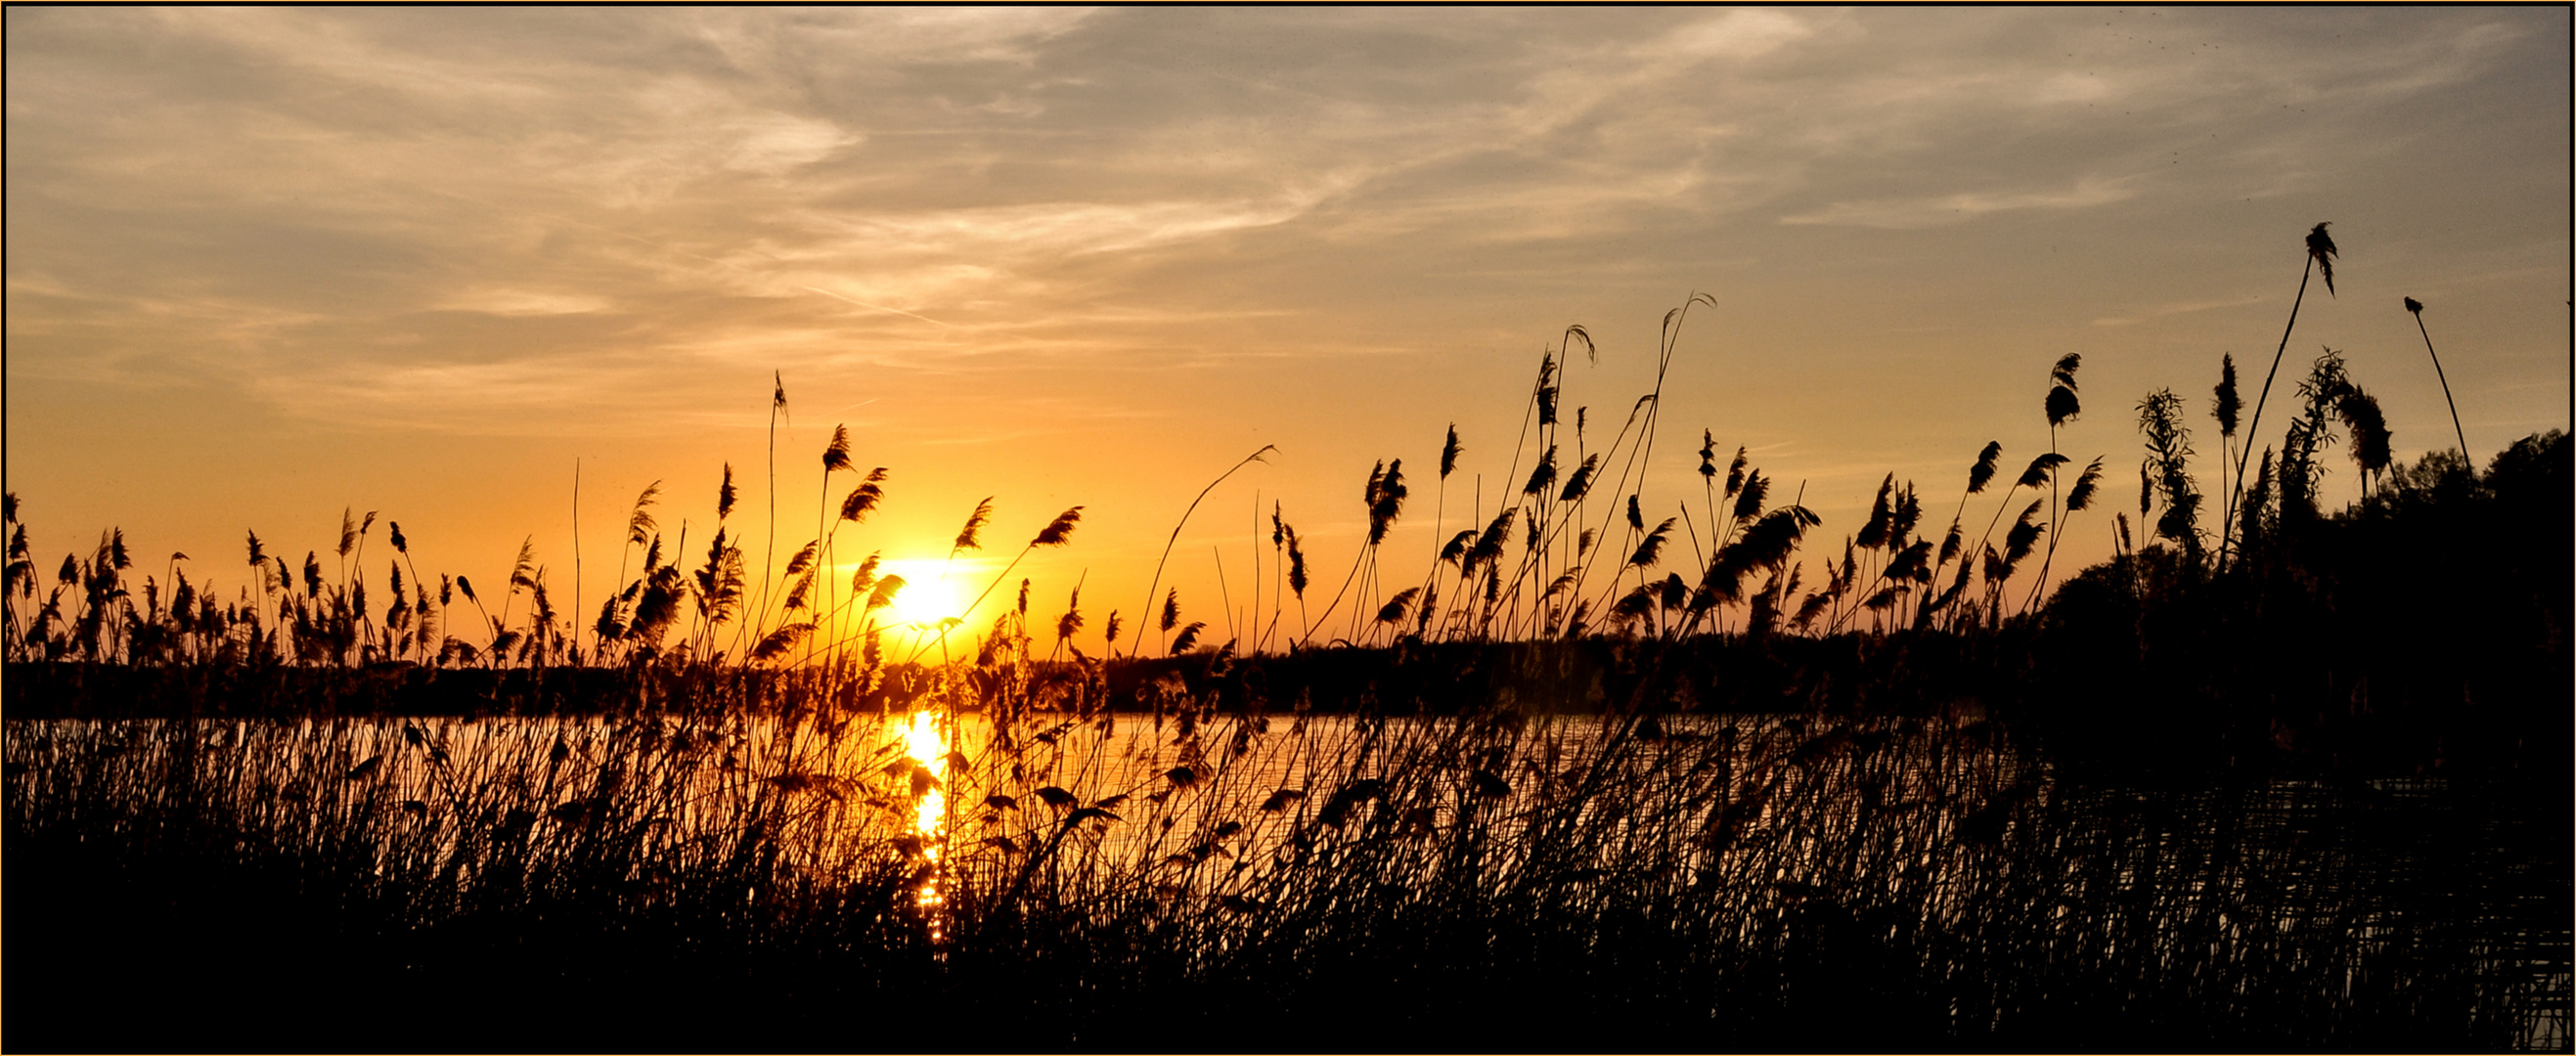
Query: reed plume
1650, 550
1058, 532
640, 524
1384, 496
884, 591
2321, 249
2062, 407
1541, 475
2224, 407
1980, 473
2062, 404
2369, 428
967, 537
2042, 469
2320, 257
1449, 451
1983, 470
1071, 622
1297, 568
1393, 612
641, 530
2080, 497
1579, 482
1749, 498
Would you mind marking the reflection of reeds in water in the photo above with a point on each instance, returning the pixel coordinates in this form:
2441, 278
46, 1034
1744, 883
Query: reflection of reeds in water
1731, 877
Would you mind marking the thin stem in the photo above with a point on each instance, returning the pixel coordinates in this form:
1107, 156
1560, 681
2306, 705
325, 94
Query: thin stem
2446, 383
2254, 427
576, 561
1157, 581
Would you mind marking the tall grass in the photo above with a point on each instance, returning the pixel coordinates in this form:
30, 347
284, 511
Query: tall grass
1544, 565
1731, 880
721, 803
2320, 258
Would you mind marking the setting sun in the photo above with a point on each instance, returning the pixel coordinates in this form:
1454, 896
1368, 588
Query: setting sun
927, 596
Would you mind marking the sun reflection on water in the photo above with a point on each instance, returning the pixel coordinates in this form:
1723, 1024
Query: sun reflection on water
927, 745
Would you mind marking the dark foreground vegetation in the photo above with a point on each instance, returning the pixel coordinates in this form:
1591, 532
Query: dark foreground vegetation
2311, 804
2272, 777
1487, 881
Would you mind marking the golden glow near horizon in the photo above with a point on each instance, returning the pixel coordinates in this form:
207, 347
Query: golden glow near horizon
267, 263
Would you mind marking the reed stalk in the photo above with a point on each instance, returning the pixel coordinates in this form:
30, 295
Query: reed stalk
2416, 309
2321, 253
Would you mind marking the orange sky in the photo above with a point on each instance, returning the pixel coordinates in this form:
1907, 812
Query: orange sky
264, 264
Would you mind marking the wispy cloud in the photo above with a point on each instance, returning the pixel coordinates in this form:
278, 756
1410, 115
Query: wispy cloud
510, 301
1935, 210
1172, 226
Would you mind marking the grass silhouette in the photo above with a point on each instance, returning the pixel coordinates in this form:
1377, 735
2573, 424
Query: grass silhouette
2320, 258
2302, 789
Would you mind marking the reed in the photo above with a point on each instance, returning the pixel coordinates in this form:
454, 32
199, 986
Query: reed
2062, 406
1731, 874
1674, 790
2223, 408
1531, 571
2416, 309
1166, 558
2320, 259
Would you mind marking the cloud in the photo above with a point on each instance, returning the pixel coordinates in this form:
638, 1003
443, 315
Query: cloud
510, 301
957, 189
1739, 34
1932, 211
1039, 230
1024, 250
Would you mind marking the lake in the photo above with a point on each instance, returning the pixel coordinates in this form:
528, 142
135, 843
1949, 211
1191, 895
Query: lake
2025, 888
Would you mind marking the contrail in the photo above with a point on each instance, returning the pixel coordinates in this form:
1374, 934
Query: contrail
878, 307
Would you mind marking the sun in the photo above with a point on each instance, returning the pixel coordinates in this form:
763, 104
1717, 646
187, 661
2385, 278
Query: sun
926, 601
926, 598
